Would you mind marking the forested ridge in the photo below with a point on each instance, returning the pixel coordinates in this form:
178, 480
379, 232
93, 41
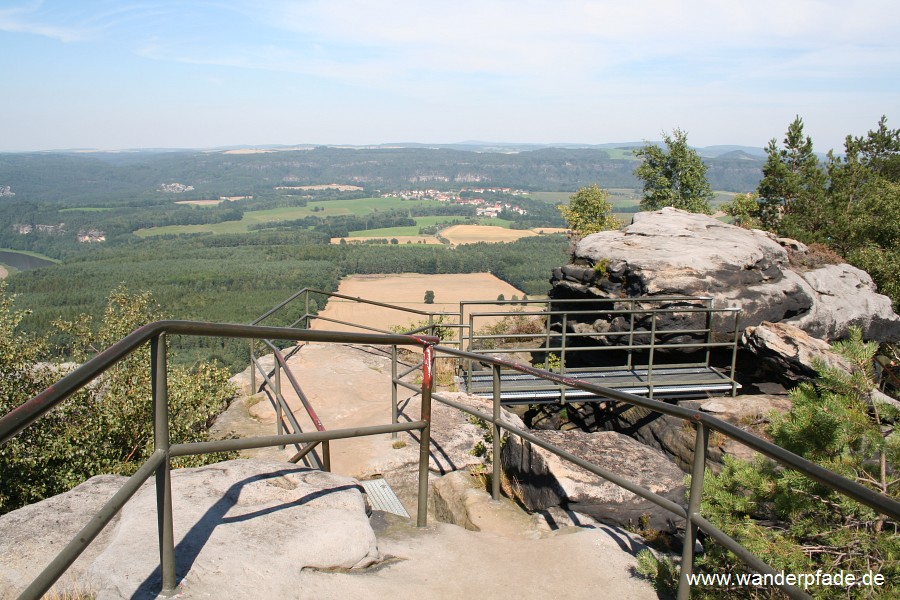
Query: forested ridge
108, 179
235, 278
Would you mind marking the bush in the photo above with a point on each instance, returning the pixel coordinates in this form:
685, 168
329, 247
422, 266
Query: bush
797, 525
517, 322
106, 427
589, 211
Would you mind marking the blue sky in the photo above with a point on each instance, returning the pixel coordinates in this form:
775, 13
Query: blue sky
123, 74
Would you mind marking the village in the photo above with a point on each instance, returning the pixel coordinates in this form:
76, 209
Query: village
483, 207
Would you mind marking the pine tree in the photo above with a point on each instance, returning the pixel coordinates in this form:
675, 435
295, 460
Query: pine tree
793, 183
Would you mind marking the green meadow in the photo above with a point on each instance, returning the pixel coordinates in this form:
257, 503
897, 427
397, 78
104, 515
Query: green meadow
326, 208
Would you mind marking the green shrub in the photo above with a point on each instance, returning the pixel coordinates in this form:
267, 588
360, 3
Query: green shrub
106, 427
796, 524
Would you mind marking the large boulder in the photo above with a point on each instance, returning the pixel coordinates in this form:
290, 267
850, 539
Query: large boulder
245, 528
672, 252
785, 353
671, 435
539, 479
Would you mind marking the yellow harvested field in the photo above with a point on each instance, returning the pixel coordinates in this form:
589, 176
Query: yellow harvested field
408, 290
401, 239
471, 234
200, 202
3, 272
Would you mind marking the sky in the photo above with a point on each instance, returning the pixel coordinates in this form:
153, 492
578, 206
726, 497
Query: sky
201, 74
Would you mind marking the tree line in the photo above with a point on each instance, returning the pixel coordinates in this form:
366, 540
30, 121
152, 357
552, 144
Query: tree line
849, 206
236, 277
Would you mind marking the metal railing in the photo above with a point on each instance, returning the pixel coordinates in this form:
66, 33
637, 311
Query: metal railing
637, 340
284, 415
703, 423
633, 335
308, 296
159, 463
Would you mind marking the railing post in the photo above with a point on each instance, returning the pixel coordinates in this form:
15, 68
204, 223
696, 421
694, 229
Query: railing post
549, 309
630, 335
425, 436
709, 334
253, 389
460, 323
562, 357
159, 389
495, 481
734, 349
326, 455
306, 310
690, 528
395, 412
652, 349
279, 409
470, 365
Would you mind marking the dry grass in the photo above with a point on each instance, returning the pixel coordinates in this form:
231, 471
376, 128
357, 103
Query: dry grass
518, 322
72, 590
818, 255
445, 372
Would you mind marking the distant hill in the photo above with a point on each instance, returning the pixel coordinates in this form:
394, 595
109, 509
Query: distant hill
117, 177
722, 151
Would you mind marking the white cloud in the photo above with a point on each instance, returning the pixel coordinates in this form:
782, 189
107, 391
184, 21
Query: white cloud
523, 69
27, 19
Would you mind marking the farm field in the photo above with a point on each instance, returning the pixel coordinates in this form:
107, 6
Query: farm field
390, 232
470, 234
456, 234
407, 290
324, 208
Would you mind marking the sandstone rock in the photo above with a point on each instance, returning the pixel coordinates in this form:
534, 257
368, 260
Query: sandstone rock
460, 498
662, 432
672, 252
453, 437
246, 528
675, 438
846, 297
539, 479
742, 409
880, 397
31, 536
749, 413
786, 353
